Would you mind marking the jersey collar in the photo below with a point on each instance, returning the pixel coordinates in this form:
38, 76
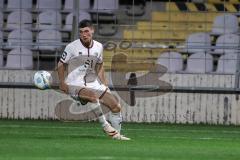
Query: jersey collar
85, 45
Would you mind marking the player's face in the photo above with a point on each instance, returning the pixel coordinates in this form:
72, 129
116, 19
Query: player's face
86, 34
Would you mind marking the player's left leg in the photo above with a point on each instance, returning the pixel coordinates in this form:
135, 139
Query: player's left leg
109, 100
92, 96
113, 104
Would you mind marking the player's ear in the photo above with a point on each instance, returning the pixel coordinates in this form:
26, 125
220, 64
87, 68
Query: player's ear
92, 30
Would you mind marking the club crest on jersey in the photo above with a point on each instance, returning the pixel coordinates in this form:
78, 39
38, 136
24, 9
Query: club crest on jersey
80, 53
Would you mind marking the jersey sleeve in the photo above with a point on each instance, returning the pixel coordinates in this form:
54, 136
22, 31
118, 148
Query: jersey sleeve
100, 56
67, 54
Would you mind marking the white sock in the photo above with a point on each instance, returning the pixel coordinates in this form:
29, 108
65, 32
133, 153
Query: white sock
116, 120
103, 120
98, 111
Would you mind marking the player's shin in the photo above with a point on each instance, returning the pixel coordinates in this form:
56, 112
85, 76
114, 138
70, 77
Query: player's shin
98, 112
116, 120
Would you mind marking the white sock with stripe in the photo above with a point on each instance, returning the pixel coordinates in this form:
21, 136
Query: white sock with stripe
116, 120
101, 117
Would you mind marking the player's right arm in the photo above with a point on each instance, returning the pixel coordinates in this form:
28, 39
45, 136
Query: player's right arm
64, 60
61, 69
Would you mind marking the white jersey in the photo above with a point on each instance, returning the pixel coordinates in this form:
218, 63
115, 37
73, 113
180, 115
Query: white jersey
82, 62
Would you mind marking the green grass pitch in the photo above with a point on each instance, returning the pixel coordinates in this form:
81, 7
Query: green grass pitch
54, 140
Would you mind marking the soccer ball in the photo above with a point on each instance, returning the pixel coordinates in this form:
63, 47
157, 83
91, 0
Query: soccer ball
42, 79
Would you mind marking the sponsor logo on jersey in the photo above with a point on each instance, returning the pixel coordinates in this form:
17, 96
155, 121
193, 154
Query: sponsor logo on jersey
64, 55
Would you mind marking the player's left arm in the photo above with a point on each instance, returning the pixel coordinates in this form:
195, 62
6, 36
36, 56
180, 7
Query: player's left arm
100, 68
101, 74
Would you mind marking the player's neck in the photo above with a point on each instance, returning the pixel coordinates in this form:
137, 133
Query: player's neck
87, 44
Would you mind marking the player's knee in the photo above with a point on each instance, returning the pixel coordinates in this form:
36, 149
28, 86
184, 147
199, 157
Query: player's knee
116, 108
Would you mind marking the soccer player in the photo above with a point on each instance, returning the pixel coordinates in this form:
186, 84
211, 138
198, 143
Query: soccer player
85, 80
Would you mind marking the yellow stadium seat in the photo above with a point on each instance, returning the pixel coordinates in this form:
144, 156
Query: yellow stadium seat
191, 7
129, 64
210, 7
107, 63
171, 6
176, 26
136, 54
132, 67
184, 16
230, 8
137, 59
223, 1
155, 35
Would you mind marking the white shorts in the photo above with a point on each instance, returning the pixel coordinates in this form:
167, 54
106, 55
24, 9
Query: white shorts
98, 88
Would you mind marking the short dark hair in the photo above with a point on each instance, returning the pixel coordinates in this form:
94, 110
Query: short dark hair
85, 23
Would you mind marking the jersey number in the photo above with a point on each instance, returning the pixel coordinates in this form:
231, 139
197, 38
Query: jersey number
88, 64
